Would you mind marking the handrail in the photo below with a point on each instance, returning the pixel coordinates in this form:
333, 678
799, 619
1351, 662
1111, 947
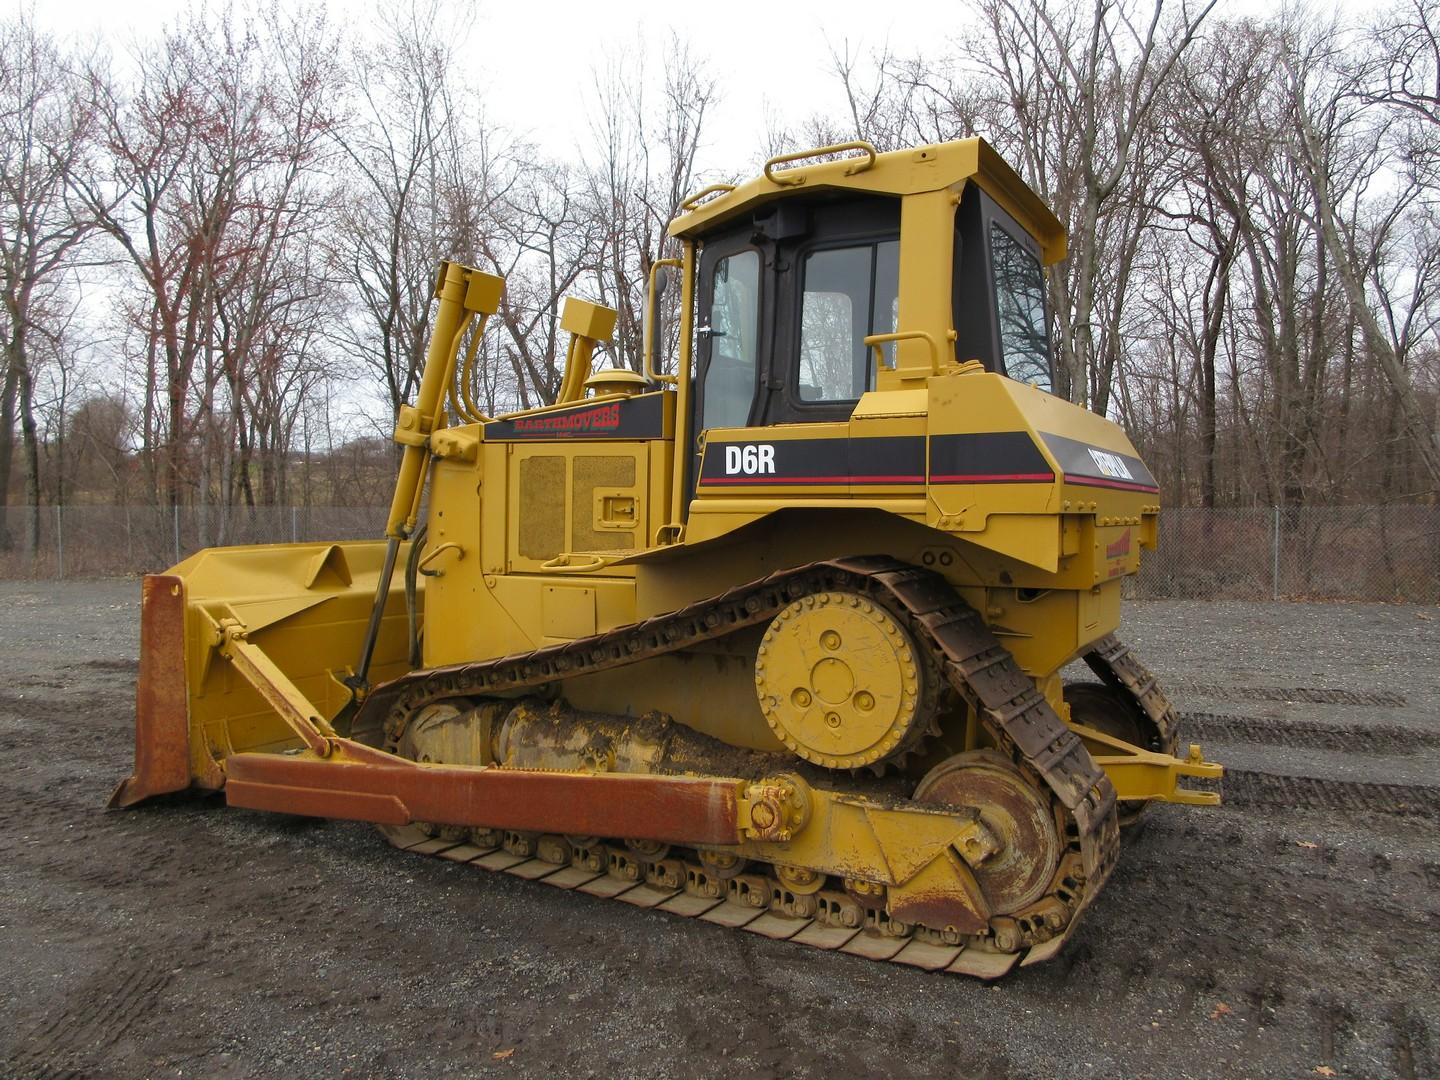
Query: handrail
856, 167
432, 555
714, 189
879, 341
580, 562
649, 343
685, 380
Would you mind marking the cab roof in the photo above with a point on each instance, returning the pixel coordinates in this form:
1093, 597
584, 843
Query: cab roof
937, 167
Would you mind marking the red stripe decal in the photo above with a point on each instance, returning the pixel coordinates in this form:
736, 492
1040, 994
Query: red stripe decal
812, 480
992, 478
937, 478
1095, 481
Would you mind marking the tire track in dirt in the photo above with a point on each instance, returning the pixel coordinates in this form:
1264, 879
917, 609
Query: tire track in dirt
70, 1041
125, 666
1300, 694
1410, 1042
1242, 787
36, 704
1312, 734
1334, 1023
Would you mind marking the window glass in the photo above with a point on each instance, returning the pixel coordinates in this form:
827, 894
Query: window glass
734, 320
1020, 298
885, 309
850, 293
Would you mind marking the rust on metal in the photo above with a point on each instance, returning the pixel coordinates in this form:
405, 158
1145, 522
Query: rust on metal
1023, 867
940, 909
162, 720
374, 786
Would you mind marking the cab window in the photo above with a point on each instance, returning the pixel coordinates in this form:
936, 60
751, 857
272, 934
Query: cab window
734, 320
849, 294
1020, 300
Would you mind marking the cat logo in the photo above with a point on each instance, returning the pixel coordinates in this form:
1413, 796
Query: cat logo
750, 459
1110, 465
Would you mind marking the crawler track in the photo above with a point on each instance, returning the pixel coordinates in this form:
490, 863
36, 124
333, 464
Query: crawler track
1017, 716
757, 915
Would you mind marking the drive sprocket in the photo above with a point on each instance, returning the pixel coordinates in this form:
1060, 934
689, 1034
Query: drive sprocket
841, 682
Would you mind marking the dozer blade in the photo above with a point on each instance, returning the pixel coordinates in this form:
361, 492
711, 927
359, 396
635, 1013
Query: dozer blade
299, 610
162, 726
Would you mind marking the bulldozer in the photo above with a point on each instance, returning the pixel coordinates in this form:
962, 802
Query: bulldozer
770, 633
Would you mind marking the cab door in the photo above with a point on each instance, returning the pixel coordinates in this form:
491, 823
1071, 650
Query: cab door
728, 342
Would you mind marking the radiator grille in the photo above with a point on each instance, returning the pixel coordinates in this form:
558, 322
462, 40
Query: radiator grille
542, 506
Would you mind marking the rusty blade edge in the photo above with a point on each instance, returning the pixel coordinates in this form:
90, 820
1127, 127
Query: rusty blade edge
391, 791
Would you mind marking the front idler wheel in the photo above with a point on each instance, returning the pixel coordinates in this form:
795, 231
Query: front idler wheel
1018, 816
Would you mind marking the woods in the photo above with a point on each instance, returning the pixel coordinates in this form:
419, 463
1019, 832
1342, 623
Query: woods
219, 247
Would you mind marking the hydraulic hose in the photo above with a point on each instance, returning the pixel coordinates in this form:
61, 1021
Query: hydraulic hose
412, 566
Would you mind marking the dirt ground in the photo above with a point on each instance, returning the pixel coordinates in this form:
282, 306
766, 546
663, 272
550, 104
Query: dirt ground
1289, 933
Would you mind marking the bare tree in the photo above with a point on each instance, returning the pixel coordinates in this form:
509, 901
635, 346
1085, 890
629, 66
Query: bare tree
1402, 73
1209, 104
1349, 118
541, 241
274, 295
422, 176
46, 128
101, 433
167, 214
645, 166
213, 194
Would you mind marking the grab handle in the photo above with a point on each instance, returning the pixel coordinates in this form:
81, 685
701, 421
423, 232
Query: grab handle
796, 176
700, 196
879, 341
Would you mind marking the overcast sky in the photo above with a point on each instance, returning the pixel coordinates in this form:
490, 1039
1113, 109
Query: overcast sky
532, 61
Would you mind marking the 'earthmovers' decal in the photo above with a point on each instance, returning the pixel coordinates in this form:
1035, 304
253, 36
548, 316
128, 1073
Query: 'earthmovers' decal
639, 417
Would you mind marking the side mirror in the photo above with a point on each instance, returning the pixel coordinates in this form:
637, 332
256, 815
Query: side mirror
660, 274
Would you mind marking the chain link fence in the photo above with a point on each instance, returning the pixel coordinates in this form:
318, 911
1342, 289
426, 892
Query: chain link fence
1302, 553
104, 541
1389, 553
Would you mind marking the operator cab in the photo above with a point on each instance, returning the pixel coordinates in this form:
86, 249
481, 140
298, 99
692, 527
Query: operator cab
787, 297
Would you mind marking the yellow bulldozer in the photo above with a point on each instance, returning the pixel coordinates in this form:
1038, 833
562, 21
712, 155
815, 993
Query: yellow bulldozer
774, 641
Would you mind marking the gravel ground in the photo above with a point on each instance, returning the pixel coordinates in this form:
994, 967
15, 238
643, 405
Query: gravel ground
1288, 933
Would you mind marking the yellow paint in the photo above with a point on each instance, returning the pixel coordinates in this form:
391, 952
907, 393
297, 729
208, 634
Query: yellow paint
540, 541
